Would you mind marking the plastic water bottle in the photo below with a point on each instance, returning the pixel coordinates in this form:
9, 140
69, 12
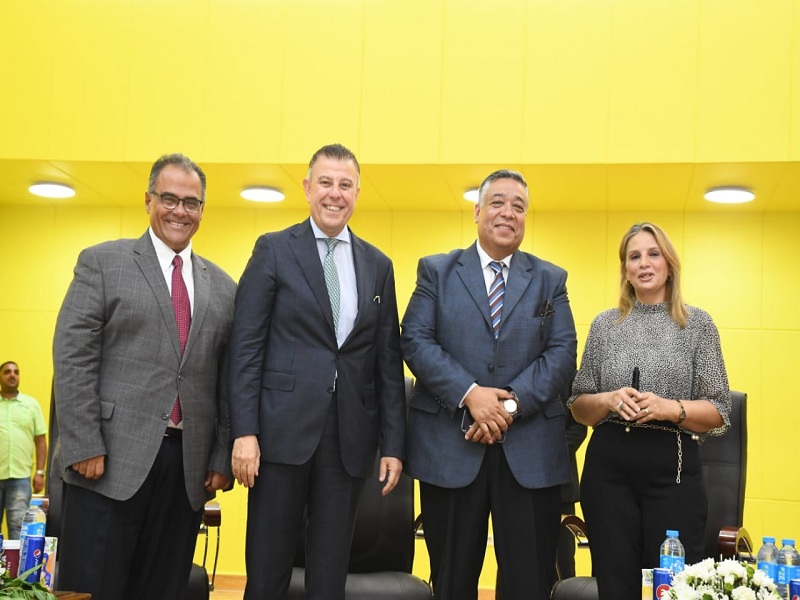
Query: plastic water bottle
788, 567
34, 521
672, 555
767, 558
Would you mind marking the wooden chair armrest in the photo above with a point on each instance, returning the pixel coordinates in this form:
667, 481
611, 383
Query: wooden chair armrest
735, 542
212, 515
577, 528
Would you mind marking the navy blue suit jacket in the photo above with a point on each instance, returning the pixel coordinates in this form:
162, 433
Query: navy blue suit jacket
284, 355
448, 344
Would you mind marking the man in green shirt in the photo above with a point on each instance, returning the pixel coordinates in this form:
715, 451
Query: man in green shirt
21, 428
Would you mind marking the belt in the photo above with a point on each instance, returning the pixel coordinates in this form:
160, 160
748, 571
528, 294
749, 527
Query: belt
173, 432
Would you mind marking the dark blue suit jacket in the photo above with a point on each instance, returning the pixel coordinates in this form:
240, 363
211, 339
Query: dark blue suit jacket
448, 344
284, 355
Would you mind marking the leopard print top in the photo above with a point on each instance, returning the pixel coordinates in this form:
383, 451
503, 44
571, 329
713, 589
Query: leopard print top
674, 363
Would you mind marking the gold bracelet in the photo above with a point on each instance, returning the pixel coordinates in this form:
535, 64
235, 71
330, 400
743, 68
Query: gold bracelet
682, 416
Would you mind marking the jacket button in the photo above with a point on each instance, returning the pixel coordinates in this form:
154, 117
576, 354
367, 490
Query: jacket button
164, 416
491, 368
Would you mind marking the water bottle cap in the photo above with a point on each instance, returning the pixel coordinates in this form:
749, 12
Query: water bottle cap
768, 539
36, 501
787, 542
672, 533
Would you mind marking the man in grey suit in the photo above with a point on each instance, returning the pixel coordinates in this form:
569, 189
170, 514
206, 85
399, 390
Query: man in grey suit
140, 395
316, 385
490, 336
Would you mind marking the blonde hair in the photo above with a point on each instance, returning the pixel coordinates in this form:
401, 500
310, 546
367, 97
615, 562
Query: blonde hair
627, 295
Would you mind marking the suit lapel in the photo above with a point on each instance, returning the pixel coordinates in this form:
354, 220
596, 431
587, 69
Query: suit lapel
303, 246
202, 296
471, 274
365, 278
145, 257
519, 279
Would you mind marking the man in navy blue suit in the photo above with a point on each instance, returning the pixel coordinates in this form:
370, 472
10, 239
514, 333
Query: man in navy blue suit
490, 336
316, 383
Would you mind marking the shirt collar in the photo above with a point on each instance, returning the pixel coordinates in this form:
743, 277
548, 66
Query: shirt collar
343, 235
486, 259
165, 254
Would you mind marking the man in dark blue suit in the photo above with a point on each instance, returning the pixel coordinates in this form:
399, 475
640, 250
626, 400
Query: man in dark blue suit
316, 383
490, 336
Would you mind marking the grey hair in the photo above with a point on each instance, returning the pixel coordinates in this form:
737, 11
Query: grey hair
500, 174
179, 160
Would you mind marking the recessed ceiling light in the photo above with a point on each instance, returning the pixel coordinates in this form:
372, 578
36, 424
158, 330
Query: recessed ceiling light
729, 195
471, 195
262, 194
51, 190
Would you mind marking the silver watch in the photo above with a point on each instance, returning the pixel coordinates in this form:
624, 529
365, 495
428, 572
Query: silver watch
512, 406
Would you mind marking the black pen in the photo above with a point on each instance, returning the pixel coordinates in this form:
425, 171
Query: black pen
635, 381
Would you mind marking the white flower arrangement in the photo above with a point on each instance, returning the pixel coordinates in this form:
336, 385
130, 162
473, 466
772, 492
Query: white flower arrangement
726, 580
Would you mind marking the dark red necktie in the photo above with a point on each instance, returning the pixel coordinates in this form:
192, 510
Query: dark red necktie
183, 317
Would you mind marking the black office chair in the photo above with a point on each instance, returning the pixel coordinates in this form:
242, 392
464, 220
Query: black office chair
724, 463
382, 553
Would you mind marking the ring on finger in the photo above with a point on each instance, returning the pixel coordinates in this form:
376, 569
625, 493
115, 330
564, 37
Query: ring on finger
621, 402
646, 411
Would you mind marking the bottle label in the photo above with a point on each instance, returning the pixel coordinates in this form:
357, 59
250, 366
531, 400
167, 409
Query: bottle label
769, 568
32, 529
673, 563
786, 573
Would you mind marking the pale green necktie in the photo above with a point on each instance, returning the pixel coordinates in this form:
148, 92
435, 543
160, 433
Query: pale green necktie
332, 280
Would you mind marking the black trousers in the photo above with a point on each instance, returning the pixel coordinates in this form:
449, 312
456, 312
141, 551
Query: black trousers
630, 498
131, 549
525, 524
275, 509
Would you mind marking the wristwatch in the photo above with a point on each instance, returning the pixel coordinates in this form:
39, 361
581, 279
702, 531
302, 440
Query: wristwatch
40, 472
512, 406
683, 412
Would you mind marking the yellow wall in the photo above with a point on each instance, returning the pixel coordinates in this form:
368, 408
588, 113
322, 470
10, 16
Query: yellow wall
426, 82
739, 269
412, 82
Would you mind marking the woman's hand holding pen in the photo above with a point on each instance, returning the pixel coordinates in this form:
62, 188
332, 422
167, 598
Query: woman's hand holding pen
625, 402
642, 407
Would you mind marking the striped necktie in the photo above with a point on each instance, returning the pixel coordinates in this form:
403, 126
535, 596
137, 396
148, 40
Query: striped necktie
332, 280
496, 293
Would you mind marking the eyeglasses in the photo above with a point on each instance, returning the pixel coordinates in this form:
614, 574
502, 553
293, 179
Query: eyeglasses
171, 201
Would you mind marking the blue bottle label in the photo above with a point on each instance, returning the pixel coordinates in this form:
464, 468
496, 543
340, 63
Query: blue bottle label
786, 573
673, 563
770, 568
32, 529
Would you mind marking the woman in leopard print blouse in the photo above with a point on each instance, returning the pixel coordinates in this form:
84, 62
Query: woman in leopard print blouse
652, 383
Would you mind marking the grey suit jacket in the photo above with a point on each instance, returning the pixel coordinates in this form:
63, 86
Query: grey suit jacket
448, 344
118, 369
284, 355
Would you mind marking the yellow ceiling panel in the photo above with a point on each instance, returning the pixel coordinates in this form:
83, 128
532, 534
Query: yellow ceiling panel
323, 72
565, 115
568, 187
648, 187
761, 178
242, 101
653, 60
636, 188
402, 82
482, 81
743, 95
